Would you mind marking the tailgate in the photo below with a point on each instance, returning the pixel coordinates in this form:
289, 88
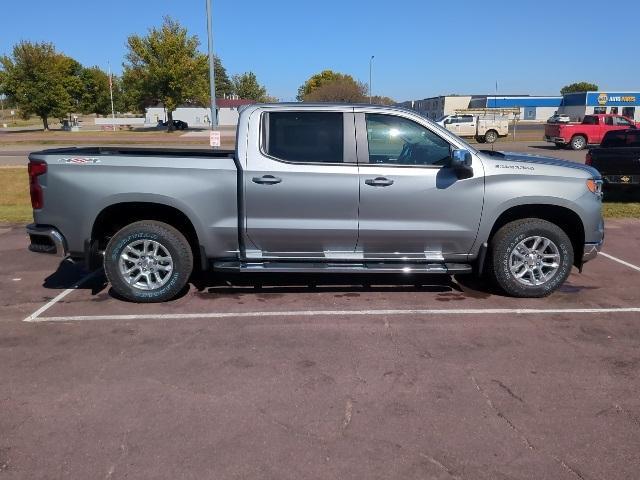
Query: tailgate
616, 161
552, 130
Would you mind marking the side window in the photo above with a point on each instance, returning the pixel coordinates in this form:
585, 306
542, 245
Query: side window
304, 137
621, 122
589, 120
608, 120
466, 118
399, 141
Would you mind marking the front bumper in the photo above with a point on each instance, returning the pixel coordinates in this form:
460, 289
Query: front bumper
591, 250
46, 239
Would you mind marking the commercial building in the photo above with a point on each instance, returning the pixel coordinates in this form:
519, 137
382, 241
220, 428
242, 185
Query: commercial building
436, 107
532, 108
577, 105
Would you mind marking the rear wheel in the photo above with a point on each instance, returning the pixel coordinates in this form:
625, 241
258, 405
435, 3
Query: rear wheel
148, 261
578, 142
530, 257
491, 136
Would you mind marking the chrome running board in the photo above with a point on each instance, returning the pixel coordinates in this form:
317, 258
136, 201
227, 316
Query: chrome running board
343, 267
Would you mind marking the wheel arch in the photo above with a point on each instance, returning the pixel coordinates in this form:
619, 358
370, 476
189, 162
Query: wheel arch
118, 215
565, 218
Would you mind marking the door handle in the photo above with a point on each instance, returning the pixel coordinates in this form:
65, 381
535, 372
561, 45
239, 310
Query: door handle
266, 180
379, 182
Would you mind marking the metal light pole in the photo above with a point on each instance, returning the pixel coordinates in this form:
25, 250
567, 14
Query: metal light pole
212, 80
370, 67
113, 111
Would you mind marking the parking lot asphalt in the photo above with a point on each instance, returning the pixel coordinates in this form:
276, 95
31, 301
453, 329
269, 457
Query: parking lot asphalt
320, 377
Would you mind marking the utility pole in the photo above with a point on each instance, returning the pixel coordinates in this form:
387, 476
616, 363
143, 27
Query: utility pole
212, 80
370, 68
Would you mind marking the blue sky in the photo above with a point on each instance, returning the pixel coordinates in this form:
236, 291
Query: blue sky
421, 48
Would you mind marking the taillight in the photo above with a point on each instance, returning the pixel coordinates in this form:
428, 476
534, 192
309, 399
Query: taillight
36, 169
588, 159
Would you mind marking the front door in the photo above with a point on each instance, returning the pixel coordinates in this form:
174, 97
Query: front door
301, 186
412, 205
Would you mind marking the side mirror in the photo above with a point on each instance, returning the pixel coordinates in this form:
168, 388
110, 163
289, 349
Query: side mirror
461, 161
447, 121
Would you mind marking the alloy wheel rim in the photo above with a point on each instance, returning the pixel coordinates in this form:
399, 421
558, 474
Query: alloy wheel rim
145, 264
534, 261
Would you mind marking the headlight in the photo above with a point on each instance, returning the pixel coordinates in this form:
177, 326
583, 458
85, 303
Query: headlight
595, 186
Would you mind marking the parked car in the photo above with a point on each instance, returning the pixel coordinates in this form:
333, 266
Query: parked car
618, 158
589, 132
559, 118
317, 188
485, 128
177, 125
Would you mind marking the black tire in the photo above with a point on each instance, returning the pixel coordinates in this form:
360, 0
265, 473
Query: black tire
505, 241
490, 136
170, 240
578, 142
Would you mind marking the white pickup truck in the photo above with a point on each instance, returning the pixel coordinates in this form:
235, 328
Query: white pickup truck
485, 129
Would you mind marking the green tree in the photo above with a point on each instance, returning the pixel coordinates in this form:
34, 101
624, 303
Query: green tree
224, 86
166, 66
579, 87
318, 80
378, 100
40, 81
95, 96
247, 86
341, 89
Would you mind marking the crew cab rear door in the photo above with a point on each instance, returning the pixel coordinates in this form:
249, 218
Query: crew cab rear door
412, 205
301, 185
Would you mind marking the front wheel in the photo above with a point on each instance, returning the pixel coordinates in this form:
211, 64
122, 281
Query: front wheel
530, 257
148, 261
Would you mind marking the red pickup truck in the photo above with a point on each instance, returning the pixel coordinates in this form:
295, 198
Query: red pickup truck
590, 131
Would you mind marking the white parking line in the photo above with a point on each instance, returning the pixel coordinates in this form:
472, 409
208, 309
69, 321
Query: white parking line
314, 313
33, 317
616, 259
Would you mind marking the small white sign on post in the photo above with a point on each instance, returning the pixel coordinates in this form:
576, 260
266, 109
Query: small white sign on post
214, 138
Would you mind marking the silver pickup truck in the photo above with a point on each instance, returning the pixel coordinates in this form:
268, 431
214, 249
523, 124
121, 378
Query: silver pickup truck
317, 188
